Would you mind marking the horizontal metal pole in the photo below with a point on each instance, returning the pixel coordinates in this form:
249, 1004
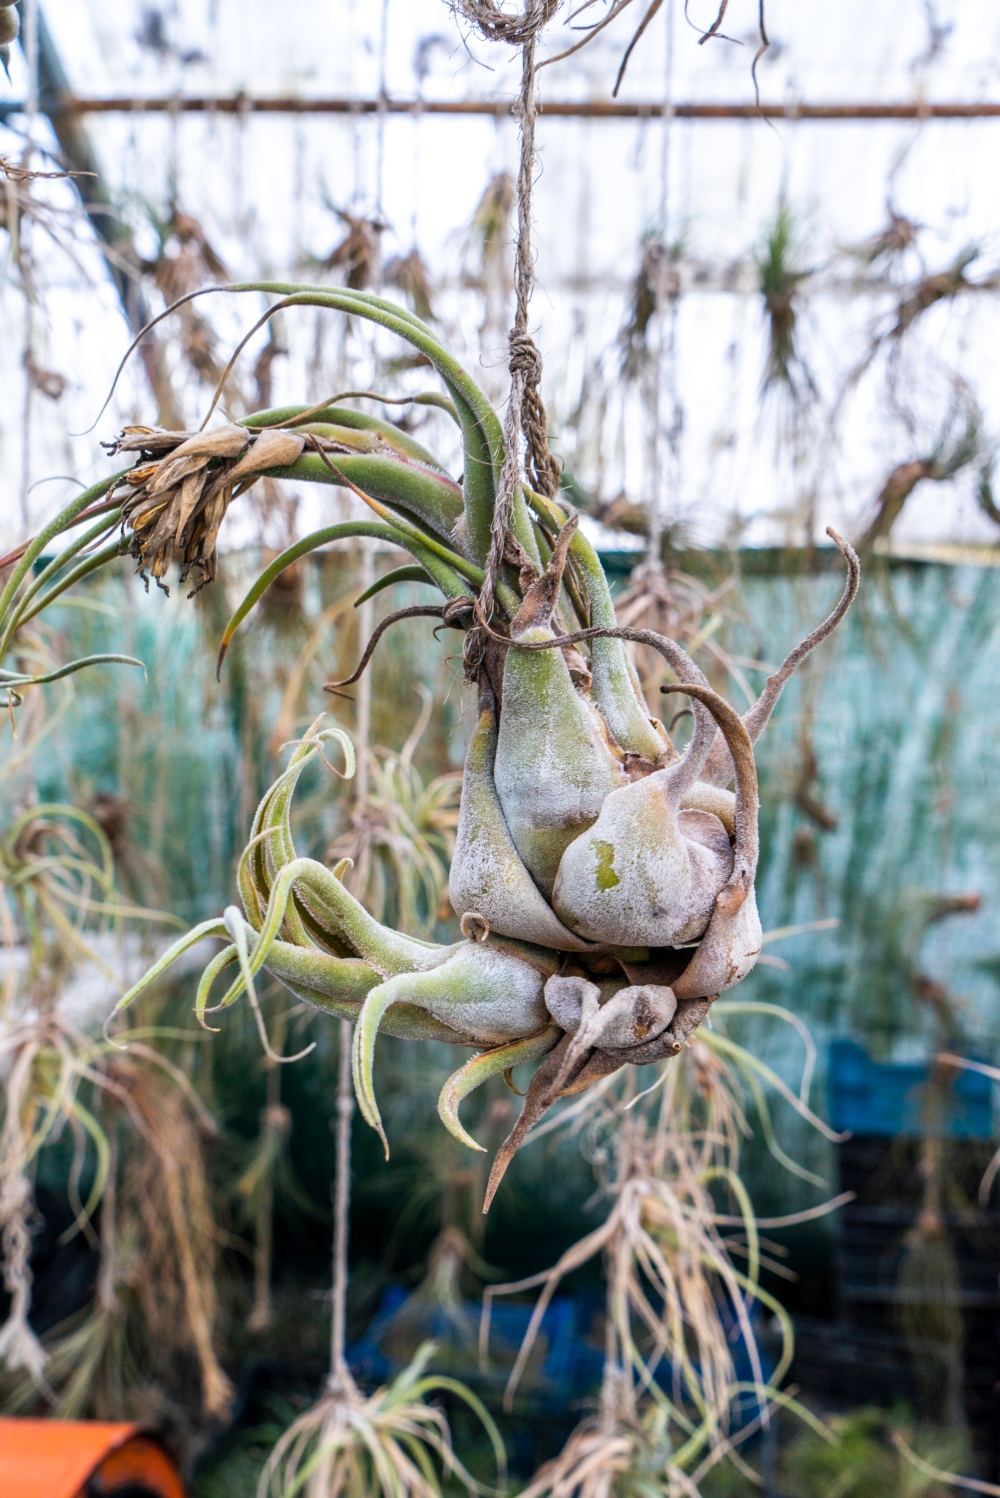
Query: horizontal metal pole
242, 104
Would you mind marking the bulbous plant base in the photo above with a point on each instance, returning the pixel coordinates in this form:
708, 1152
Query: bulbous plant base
586, 1013
582, 1007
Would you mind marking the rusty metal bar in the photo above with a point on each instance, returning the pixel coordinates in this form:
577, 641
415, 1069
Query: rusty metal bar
242, 104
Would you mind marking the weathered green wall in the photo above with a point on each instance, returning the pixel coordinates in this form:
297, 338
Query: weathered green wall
901, 708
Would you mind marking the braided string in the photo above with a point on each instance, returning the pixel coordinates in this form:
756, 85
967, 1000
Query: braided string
525, 409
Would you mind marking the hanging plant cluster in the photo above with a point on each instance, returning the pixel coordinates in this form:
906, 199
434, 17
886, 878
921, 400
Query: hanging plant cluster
604, 881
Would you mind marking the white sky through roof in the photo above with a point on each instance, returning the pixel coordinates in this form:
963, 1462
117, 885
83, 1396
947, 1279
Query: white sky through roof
729, 463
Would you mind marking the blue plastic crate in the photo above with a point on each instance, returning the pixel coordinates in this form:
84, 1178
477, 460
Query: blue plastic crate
572, 1364
872, 1097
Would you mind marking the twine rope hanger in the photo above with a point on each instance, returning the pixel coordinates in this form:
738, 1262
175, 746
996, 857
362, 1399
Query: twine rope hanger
525, 408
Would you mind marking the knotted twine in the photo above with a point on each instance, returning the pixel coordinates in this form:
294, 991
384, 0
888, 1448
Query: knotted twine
525, 409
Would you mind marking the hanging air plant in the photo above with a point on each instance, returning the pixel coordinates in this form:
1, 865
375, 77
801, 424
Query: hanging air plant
185, 260
359, 253
960, 443
132, 1118
487, 243
882, 250
402, 839
683, 1281
605, 883
411, 275
489, 267
780, 279
937, 287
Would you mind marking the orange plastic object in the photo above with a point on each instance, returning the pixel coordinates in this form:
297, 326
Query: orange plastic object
82, 1459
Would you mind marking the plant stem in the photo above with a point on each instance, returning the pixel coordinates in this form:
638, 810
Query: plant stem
340, 1377
107, 1276
358, 878
260, 1314
366, 623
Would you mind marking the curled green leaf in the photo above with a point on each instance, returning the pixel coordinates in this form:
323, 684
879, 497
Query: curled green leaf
15, 678
397, 575
214, 927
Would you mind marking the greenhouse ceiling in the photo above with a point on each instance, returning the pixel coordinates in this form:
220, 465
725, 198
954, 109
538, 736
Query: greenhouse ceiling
825, 291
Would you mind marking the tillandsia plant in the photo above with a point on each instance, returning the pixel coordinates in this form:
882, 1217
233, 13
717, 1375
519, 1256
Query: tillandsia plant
402, 836
130, 1119
684, 1384
53, 891
604, 881
390, 1442
154, 1319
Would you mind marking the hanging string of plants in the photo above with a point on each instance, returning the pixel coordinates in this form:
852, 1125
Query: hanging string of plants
603, 877
604, 880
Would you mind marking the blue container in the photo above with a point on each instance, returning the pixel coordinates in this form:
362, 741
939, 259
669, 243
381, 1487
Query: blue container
571, 1366
870, 1097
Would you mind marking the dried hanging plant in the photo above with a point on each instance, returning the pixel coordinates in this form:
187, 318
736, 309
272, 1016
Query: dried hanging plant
388, 1442
489, 267
185, 261
883, 249
128, 1355
656, 284
267, 1177
672, 1405
913, 299
359, 253
402, 840
56, 898
934, 288
487, 243
959, 445
780, 278
411, 275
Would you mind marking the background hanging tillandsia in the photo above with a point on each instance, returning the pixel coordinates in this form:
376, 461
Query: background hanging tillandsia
130, 1120
685, 1382
605, 881
388, 1443
401, 840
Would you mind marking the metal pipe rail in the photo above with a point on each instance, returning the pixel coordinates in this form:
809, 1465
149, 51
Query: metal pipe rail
70, 106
